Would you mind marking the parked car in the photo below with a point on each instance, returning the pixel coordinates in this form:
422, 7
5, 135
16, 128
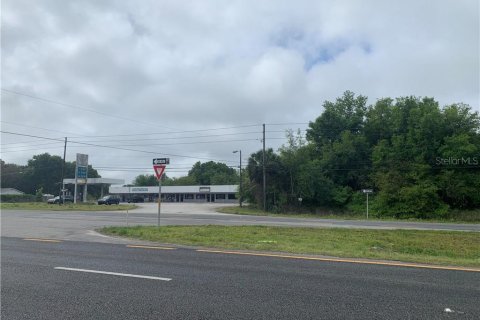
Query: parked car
58, 199
136, 199
108, 200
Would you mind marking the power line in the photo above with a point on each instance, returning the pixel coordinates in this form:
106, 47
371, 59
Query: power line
117, 148
174, 138
33, 149
27, 144
33, 127
287, 123
71, 106
169, 132
20, 142
182, 143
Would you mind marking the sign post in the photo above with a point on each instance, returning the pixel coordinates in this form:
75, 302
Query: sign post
159, 166
367, 191
81, 173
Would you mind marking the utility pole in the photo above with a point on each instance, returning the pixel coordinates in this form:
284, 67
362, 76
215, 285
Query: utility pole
240, 198
264, 178
241, 179
62, 191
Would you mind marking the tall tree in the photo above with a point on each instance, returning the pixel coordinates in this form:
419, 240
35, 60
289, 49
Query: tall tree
43, 171
145, 180
276, 177
213, 173
345, 114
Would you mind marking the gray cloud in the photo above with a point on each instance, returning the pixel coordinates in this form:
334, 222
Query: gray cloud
175, 67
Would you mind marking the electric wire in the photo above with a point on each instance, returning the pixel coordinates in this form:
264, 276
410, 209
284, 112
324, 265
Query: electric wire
119, 148
72, 106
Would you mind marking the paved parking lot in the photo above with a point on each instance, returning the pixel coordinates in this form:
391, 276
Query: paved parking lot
181, 207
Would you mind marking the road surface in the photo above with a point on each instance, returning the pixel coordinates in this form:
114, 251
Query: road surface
80, 225
88, 280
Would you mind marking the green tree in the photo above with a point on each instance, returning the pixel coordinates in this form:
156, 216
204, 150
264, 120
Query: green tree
293, 154
182, 181
144, 180
12, 176
276, 176
213, 173
345, 114
405, 173
43, 171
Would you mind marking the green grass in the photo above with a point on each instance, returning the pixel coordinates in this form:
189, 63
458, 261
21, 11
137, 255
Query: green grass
467, 216
432, 247
65, 207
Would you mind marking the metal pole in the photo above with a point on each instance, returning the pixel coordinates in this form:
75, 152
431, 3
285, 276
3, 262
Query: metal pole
75, 192
240, 178
76, 182
367, 205
62, 192
159, 199
264, 179
86, 184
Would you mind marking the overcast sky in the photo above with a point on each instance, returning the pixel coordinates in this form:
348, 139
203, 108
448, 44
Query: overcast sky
195, 81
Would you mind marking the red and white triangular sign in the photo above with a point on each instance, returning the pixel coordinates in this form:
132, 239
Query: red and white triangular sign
159, 169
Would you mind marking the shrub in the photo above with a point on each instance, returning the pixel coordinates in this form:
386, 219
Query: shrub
17, 198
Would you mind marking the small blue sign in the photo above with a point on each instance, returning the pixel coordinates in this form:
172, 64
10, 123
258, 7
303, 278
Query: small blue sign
82, 172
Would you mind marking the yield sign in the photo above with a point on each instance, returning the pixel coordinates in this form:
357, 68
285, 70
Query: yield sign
159, 169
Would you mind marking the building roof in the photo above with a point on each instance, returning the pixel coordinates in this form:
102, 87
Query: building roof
97, 181
11, 191
175, 189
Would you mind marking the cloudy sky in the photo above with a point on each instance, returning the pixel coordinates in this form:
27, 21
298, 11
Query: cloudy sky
195, 81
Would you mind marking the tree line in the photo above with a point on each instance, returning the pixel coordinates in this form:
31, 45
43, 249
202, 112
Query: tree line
420, 159
43, 174
207, 173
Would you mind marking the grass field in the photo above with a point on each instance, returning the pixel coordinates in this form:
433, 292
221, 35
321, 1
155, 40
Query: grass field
65, 207
470, 216
432, 247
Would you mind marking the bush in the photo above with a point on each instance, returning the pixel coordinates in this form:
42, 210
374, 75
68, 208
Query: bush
17, 198
39, 195
358, 203
415, 201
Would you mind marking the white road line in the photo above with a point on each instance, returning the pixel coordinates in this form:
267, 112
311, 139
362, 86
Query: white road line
113, 273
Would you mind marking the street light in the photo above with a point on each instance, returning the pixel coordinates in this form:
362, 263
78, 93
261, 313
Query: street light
240, 199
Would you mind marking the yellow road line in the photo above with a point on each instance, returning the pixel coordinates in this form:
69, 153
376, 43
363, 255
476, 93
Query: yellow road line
384, 263
150, 247
42, 240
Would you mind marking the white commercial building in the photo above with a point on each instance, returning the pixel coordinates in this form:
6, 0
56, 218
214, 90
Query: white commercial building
221, 193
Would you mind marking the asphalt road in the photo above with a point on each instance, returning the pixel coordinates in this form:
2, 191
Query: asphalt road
80, 225
205, 285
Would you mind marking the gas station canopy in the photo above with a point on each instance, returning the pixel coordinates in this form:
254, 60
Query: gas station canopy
97, 181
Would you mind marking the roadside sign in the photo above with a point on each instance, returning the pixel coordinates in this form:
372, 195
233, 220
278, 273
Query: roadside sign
81, 172
161, 161
82, 159
159, 169
367, 192
159, 165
